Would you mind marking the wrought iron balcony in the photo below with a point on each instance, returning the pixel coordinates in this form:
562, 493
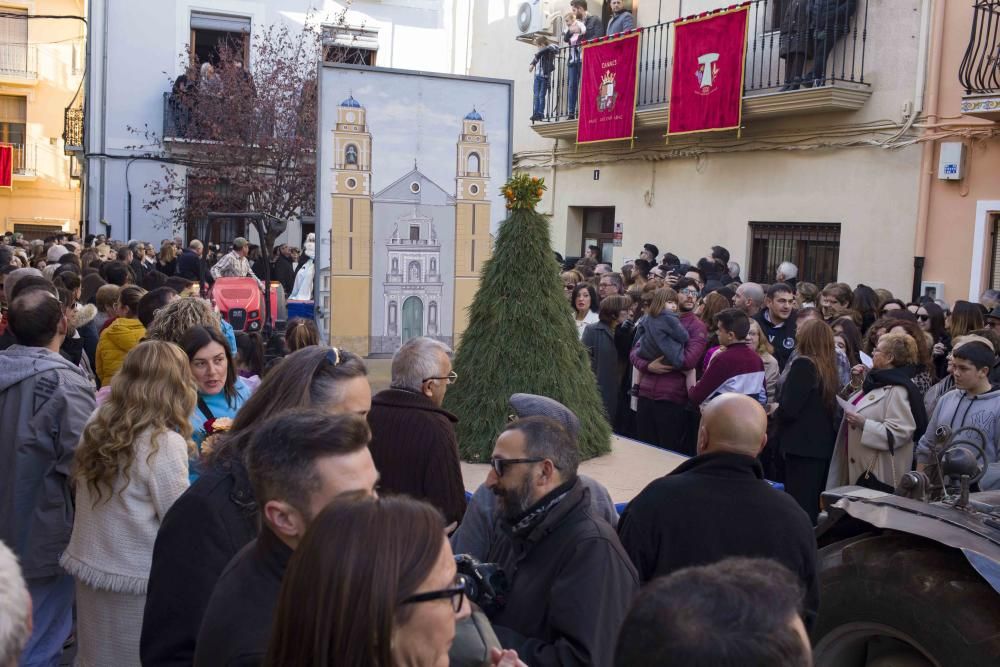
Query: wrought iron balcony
979, 72
24, 159
806, 63
73, 130
18, 61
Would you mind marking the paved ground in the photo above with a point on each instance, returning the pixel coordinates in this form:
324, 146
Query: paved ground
625, 471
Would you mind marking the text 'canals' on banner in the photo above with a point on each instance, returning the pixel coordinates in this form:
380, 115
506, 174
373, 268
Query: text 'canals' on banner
6, 166
706, 89
608, 88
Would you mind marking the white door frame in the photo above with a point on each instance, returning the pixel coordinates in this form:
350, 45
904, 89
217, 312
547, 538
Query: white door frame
980, 242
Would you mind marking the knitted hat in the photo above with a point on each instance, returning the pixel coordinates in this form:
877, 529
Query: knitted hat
55, 252
532, 405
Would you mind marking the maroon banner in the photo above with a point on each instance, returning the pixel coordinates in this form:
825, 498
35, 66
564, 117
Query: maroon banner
6, 166
706, 89
608, 88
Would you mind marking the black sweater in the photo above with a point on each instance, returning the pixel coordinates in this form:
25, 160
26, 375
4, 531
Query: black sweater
712, 507
806, 425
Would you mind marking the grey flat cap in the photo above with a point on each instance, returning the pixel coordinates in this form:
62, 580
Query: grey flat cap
533, 405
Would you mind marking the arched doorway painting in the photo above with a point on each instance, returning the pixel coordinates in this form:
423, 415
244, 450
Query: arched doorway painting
413, 318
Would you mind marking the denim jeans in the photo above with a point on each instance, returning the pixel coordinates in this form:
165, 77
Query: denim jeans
573, 77
541, 89
52, 620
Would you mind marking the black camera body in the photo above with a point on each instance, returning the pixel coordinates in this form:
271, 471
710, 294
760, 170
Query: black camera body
485, 583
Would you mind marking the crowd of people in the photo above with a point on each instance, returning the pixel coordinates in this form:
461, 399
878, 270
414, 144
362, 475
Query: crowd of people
854, 380
177, 493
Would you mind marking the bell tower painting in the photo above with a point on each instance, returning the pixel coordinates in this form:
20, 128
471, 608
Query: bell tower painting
409, 167
473, 241
351, 261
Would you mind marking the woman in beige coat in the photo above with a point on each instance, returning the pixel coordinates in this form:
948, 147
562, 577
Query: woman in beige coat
878, 438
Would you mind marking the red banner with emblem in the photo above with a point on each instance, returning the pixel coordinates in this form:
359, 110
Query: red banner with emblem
609, 84
706, 89
6, 166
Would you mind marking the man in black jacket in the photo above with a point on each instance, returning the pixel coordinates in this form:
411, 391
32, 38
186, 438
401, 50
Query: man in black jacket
284, 269
190, 264
571, 581
777, 321
298, 462
718, 505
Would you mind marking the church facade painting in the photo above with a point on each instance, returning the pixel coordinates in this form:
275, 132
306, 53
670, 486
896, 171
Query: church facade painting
410, 170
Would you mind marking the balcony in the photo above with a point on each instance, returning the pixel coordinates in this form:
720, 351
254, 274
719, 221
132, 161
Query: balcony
18, 63
25, 160
979, 72
771, 89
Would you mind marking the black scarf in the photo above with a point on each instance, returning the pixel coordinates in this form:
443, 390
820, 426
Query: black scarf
903, 377
535, 514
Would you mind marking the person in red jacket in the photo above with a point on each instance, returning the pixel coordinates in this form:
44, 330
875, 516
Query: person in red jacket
735, 368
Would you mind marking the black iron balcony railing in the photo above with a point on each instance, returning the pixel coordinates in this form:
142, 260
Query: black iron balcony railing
790, 46
979, 72
73, 128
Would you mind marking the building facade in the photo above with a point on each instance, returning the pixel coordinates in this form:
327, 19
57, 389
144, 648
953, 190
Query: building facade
823, 175
137, 51
41, 70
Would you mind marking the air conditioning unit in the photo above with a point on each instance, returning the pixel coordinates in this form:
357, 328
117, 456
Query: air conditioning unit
537, 16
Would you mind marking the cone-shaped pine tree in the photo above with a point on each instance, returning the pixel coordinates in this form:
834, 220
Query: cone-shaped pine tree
521, 337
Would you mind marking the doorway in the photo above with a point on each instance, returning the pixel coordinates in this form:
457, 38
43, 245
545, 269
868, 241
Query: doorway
413, 318
599, 230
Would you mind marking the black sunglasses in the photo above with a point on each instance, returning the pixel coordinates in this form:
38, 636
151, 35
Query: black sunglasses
923, 318
498, 464
455, 593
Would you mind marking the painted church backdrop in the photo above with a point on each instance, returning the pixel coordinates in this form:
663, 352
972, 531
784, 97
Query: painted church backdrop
411, 166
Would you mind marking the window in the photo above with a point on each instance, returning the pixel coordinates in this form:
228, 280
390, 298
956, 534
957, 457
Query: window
353, 46
414, 187
13, 123
472, 167
813, 248
351, 154
414, 232
212, 32
206, 194
995, 253
14, 41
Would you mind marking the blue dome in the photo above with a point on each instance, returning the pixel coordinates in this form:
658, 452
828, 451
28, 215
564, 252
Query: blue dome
473, 115
351, 102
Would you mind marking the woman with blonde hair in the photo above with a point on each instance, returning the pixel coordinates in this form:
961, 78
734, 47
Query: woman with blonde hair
874, 446
130, 467
772, 371
166, 262
805, 416
173, 320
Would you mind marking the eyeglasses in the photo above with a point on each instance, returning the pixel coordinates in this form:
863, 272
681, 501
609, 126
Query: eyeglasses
451, 377
568, 288
456, 594
923, 318
498, 464
689, 291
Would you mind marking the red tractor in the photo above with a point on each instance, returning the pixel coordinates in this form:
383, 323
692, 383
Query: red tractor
241, 302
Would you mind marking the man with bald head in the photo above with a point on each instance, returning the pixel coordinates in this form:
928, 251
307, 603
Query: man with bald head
718, 504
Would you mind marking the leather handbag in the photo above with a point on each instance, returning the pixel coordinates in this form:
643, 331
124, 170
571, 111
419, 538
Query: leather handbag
868, 479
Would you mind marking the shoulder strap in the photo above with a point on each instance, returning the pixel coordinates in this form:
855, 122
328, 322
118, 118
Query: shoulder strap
203, 406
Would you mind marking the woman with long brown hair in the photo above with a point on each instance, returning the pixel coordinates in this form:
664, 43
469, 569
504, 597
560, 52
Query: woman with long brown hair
373, 582
300, 333
130, 467
217, 516
806, 412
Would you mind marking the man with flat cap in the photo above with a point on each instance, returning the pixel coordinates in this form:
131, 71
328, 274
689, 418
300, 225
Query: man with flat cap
480, 526
718, 504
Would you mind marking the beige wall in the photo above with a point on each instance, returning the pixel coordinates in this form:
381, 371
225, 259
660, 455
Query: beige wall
953, 204
835, 171
50, 197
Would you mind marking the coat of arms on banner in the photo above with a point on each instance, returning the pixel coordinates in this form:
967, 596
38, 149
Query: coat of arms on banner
707, 72
606, 95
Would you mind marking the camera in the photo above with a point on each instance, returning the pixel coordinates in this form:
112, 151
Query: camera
485, 583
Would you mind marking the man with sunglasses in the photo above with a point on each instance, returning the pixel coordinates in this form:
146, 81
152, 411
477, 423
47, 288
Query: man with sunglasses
298, 462
571, 581
413, 437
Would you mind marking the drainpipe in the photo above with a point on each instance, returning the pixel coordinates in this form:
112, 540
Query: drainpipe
927, 154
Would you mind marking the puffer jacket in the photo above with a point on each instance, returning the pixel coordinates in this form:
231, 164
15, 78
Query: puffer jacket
45, 401
116, 341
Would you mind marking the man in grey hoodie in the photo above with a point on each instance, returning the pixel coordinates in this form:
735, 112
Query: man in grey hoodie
974, 402
45, 402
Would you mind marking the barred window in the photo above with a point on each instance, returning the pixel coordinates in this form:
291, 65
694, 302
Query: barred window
813, 247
